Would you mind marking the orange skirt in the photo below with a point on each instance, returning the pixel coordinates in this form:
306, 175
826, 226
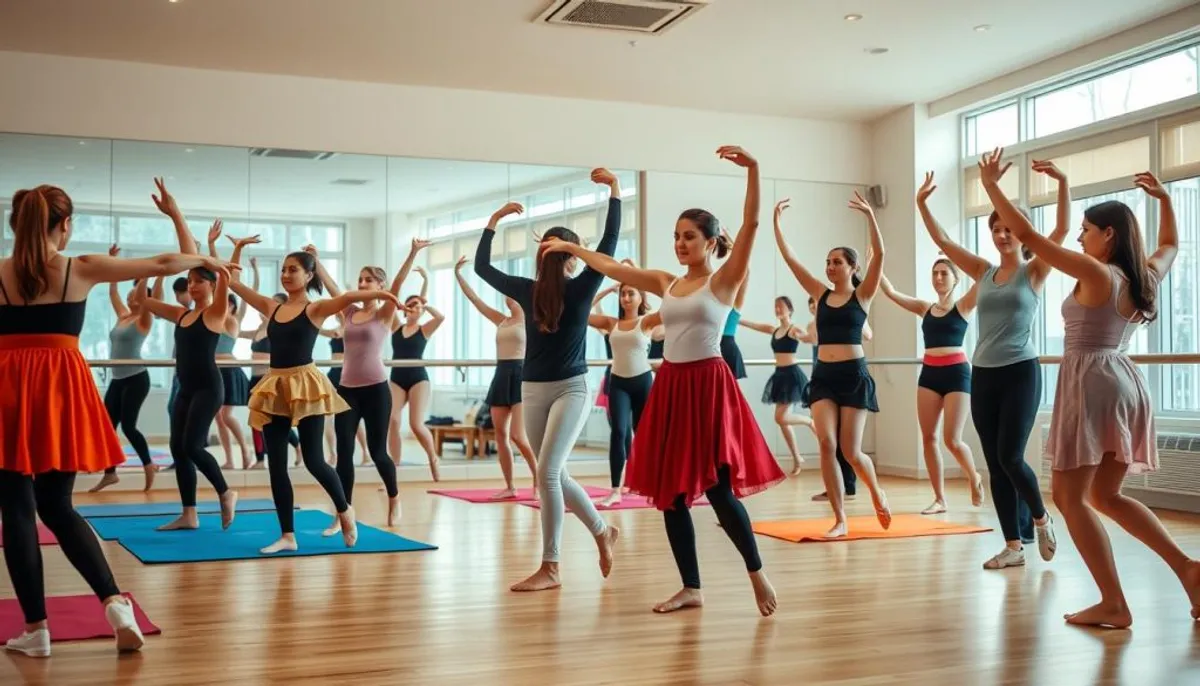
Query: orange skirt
52, 417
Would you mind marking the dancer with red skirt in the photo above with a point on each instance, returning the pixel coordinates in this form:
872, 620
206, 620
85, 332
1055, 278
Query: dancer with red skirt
698, 435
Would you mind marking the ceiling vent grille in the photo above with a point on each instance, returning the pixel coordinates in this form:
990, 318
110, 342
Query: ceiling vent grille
292, 154
641, 16
350, 182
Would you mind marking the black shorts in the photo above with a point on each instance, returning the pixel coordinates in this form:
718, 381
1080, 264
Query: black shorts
407, 377
954, 378
847, 384
505, 390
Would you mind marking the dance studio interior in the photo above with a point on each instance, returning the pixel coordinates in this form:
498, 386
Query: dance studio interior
902, 299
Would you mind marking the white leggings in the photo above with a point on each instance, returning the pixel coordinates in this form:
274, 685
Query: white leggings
555, 412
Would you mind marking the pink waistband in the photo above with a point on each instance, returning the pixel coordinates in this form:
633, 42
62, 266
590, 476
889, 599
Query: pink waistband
944, 360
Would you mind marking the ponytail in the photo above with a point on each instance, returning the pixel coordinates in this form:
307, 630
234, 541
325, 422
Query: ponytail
724, 245
35, 214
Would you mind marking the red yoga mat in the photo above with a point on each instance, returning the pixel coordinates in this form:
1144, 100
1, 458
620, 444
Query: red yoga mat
45, 536
71, 617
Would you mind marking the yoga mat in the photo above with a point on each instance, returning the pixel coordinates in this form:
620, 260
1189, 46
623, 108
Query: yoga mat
484, 495
168, 508
72, 618
628, 502
157, 457
903, 526
242, 541
45, 536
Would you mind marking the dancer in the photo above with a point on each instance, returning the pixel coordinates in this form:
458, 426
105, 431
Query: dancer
1103, 422
628, 340
128, 386
554, 378
53, 423
729, 347
294, 392
786, 385
699, 435
363, 384
504, 393
841, 390
233, 379
260, 351
410, 385
337, 353
945, 381
1006, 378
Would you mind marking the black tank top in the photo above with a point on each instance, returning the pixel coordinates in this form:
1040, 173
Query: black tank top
262, 345
946, 331
784, 343
840, 324
48, 318
291, 342
195, 354
408, 347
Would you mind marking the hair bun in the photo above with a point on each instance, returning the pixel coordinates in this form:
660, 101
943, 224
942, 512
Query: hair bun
724, 245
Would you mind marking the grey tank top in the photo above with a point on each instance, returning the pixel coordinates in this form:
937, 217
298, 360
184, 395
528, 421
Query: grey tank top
1006, 313
125, 343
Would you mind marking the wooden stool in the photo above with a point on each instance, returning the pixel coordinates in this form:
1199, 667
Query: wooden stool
485, 437
460, 431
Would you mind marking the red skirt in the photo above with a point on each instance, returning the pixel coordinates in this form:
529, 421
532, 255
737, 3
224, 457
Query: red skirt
51, 415
696, 421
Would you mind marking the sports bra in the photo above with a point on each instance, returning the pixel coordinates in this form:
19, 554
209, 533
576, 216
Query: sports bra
48, 318
631, 351
292, 341
784, 343
195, 349
408, 347
840, 325
946, 331
693, 324
337, 346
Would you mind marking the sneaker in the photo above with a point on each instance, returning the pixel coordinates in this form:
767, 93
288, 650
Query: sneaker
120, 617
31, 643
1007, 558
1047, 544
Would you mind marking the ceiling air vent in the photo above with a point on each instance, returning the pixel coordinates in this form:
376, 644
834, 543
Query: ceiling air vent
350, 182
641, 16
292, 154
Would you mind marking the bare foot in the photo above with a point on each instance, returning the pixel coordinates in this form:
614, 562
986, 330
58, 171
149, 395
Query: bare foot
685, 598
613, 497
544, 579
259, 465
796, 466
606, 542
1191, 584
349, 527
393, 514
187, 520
287, 542
228, 508
1107, 616
333, 530
105, 481
506, 494
977, 491
839, 529
938, 507
764, 593
151, 471
433, 468
882, 512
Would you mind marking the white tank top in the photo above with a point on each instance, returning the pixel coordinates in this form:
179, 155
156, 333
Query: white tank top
510, 340
630, 351
692, 324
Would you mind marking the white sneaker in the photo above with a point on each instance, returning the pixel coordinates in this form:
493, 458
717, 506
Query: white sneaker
1007, 558
1047, 544
120, 618
31, 643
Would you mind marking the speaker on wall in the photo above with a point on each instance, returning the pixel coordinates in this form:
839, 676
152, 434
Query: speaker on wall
877, 196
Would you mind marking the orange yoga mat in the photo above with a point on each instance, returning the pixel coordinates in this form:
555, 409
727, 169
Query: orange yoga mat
903, 526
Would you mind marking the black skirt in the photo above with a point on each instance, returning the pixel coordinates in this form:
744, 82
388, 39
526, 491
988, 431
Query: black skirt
785, 386
335, 376
505, 390
847, 384
733, 356
237, 386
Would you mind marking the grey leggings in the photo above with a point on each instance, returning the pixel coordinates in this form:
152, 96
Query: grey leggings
555, 412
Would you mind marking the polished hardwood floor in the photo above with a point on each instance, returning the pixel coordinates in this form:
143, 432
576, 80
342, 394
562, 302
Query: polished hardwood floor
906, 611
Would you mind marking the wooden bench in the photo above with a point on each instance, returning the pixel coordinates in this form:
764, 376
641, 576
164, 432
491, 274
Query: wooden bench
485, 438
467, 434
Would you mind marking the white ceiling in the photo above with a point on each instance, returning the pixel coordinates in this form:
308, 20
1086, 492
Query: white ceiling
782, 57
229, 181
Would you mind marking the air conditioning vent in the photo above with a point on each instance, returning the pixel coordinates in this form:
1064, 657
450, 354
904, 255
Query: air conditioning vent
292, 154
640, 16
350, 182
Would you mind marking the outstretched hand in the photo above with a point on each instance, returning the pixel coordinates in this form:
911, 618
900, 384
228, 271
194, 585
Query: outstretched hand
860, 203
992, 167
927, 188
1049, 169
164, 201
1150, 183
737, 155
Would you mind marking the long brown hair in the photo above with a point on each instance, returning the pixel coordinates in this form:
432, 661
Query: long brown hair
1128, 253
35, 214
550, 283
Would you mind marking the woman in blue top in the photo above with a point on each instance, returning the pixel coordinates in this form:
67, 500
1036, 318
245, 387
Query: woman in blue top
1006, 380
554, 387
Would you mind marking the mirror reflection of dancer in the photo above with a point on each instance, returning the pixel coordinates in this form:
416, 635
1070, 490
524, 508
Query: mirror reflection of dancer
234, 379
698, 434
410, 385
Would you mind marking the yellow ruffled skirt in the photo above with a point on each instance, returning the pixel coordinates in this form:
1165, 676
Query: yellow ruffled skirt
294, 392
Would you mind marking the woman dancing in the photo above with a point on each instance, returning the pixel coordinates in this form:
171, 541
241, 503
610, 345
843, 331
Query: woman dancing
260, 351
410, 385
786, 385
554, 379
53, 423
233, 379
945, 381
1103, 422
504, 393
729, 347
699, 435
1006, 379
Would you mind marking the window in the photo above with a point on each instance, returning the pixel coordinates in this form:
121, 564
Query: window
992, 129
1180, 390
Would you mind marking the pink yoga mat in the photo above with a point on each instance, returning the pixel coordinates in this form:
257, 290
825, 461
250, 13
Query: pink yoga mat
484, 495
628, 502
72, 618
45, 536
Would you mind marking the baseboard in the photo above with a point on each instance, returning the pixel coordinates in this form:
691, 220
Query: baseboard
1159, 500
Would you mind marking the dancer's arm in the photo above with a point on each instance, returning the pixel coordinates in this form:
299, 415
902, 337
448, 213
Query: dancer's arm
163, 310
214, 233
870, 283
145, 318
915, 305
325, 308
1168, 237
740, 298
490, 313
513, 286
406, 268
808, 282
263, 304
1039, 269
649, 280
165, 202
435, 320
217, 315
966, 304
971, 264
757, 326
93, 269
868, 334
597, 319
114, 296
652, 321
729, 276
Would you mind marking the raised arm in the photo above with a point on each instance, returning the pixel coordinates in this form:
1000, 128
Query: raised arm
406, 268
114, 296
740, 298
612, 220
870, 283
435, 320
217, 313
214, 234
321, 310
163, 310
490, 313
757, 326
966, 304
165, 202
506, 284
729, 276
973, 265
915, 305
1039, 266
261, 303
1168, 238
137, 302
808, 282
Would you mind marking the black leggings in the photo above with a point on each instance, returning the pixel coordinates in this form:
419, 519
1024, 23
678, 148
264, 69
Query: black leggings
193, 414
312, 431
733, 518
260, 444
373, 406
626, 399
123, 400
849, 478
1004, 405
49, 495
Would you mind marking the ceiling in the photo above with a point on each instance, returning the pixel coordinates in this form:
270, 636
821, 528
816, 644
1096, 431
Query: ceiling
779, 57
229, 181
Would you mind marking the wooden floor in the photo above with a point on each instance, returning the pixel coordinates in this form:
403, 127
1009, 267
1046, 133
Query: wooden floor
909, 611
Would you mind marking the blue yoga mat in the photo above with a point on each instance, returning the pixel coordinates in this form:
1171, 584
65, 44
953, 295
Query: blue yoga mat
169, 508
249, 533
